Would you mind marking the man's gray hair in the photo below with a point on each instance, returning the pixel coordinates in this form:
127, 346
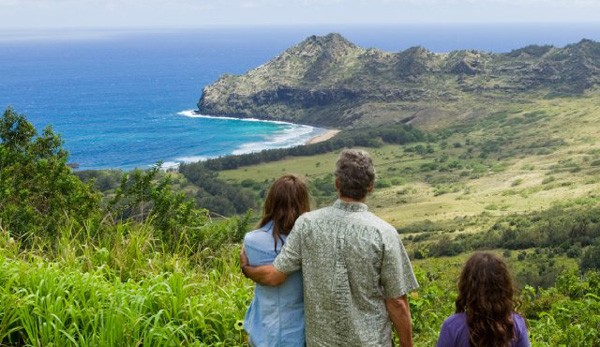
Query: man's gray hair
355, 173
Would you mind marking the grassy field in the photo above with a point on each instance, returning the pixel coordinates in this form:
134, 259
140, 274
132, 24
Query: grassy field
542, 153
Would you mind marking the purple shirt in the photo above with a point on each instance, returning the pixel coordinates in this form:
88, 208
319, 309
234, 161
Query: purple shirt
455, 332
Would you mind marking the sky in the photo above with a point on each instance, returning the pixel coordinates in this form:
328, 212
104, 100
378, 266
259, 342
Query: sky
59, 14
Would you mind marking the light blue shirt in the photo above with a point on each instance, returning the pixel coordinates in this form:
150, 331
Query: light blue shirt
276, 315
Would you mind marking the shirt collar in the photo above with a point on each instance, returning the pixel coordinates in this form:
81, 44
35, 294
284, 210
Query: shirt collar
268, 227
350, 206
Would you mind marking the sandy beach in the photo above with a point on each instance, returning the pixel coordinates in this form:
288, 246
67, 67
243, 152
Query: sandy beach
323, 137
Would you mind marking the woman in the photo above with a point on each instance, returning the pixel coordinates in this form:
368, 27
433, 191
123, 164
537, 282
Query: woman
485, 313
276, 315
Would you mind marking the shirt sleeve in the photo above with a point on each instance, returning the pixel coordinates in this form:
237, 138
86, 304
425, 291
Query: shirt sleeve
522, 338
445, 339
259, 248
290, 257
397, 277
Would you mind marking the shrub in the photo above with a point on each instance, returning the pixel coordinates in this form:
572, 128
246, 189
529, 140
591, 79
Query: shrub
38, 191
591, 258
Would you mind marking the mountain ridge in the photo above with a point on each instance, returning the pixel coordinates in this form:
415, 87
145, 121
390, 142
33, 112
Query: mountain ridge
329, 81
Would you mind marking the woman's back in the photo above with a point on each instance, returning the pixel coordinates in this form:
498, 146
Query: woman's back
276, 315
455, 332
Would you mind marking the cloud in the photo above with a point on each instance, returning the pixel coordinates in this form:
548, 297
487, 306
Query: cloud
156, 13
315, 3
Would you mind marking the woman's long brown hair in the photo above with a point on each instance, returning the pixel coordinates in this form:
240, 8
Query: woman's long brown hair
286, 200
485, 294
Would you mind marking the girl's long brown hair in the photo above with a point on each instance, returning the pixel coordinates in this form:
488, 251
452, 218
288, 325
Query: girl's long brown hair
485, 294
286, 200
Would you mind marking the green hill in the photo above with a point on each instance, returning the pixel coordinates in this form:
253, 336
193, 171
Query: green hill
480, 183
328, 81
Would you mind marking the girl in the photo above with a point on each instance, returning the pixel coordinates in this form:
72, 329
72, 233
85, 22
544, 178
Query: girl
485, 313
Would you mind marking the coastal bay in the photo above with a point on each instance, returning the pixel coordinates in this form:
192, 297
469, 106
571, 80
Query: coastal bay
131, 97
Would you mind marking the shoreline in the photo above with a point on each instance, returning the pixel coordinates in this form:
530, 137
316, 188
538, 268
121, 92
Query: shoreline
323, 137
328, 134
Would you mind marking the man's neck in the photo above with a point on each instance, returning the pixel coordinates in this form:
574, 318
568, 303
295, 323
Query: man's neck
347, 199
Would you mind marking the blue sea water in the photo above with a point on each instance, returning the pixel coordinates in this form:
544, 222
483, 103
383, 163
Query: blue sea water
123, 99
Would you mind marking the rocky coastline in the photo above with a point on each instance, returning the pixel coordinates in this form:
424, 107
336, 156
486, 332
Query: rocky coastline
327, 81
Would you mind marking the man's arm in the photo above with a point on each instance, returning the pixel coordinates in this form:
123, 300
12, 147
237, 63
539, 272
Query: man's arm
265, 274
399, 312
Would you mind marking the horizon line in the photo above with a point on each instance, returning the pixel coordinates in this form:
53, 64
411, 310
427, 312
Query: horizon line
296, 25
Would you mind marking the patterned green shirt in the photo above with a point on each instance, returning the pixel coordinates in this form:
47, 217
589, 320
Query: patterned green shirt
351, 261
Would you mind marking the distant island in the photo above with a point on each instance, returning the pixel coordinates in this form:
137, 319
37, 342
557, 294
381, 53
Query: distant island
328, 81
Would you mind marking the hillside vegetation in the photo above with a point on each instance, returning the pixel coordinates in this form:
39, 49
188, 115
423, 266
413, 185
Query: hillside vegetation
520, 158
523, 162
141, 258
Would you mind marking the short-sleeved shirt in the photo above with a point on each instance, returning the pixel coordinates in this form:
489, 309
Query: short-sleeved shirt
455, 332
351, 261
276, 314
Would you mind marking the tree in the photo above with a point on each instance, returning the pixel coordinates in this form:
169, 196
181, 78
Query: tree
38, 190
145, 197
591, 258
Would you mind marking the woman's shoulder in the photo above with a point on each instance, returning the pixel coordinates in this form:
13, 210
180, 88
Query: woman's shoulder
257, 236
456, 319
260, 236
522, 339
259, 246
454, 331
519, 321
260, 233
518, 317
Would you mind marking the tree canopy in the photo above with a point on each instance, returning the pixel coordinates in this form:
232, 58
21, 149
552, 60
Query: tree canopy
38, 192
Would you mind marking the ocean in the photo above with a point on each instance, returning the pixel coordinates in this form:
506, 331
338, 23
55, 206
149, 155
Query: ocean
125, 98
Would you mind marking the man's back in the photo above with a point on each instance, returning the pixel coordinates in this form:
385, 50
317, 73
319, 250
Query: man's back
351, 261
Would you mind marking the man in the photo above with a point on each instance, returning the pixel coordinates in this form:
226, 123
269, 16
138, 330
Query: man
355, 268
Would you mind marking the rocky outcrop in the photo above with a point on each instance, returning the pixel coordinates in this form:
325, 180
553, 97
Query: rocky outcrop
328, 81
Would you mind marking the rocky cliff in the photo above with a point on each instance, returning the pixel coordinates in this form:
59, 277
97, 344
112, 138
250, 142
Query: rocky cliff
328, 81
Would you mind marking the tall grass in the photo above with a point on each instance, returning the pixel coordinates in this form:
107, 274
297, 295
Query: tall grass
120, 290
123, 289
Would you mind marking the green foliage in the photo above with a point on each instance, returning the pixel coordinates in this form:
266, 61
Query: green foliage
548, 179
429, 307
445, 247
140, 198
567, 315
590, 259
215, 194
152, 269
516, 182
571, 229
105, 284
122, 290
363, 137
103, 180
558, 226
38, 191
322, 189
48, 304
539, 269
